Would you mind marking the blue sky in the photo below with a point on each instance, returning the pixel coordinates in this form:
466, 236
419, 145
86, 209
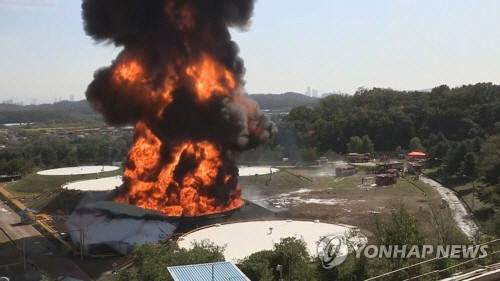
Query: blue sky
326, 44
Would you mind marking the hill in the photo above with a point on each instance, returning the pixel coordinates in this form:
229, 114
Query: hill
67, 112
285, 101
60, 112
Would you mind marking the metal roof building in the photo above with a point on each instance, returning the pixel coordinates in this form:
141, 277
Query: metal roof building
218, 271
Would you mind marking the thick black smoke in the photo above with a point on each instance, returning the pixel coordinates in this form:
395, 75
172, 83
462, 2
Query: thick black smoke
165, 37
163, 34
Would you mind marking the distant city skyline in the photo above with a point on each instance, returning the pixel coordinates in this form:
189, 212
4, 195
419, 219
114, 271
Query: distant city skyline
291, 45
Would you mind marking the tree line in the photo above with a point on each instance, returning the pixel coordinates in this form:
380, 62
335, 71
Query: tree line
392, 118
47, 151
59, 112
458, 128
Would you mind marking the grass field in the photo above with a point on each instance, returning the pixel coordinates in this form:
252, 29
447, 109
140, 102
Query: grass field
44, 193
34, 184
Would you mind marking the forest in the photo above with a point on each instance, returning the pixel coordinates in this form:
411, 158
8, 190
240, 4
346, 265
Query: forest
458, 128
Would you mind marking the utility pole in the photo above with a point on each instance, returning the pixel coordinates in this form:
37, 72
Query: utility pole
82, 242
24, 254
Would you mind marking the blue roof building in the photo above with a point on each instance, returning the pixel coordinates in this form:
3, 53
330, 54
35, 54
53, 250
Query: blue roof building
218, 271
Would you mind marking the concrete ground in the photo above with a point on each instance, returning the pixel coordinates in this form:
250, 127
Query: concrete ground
42, 257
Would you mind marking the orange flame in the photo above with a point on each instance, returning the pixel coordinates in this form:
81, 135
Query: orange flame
160, 189
130, 72
211, 78
151, 177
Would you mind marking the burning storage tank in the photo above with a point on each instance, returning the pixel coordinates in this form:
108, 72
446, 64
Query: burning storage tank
179, 81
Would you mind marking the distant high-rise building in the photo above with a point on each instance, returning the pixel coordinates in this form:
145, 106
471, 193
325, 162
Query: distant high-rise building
8, 101
33, 101
314, 93
308, 92
71, 98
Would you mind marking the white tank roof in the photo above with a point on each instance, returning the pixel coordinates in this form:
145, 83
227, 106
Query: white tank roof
82, 170
242, 239
102, 184
245, 171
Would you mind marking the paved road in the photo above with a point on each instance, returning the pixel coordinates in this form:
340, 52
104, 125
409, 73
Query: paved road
9, 253
3, 238
40, 252
10, 222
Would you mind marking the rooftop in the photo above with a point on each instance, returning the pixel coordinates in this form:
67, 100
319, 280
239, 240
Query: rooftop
220, 271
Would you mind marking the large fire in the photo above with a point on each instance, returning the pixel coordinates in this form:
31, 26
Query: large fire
180, 82
153, 183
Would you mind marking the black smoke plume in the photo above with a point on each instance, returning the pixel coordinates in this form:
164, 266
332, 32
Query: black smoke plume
164, 37
160, 34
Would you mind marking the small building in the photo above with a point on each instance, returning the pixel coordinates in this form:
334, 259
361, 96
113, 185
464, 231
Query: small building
346, 170
383, 168
415, 167
322, 161
385, 179
220, 271
358, 158
416, 156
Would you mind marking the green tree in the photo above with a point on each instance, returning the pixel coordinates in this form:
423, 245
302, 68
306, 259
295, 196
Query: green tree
352, 268
415, 144
291, 253
468, 166
437, 146
400, 229
489, 160
490, 194
258, 266
327, 274
398, 149
454, 158
308, 154
355, 145
151, 260
496, 223
367, 144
